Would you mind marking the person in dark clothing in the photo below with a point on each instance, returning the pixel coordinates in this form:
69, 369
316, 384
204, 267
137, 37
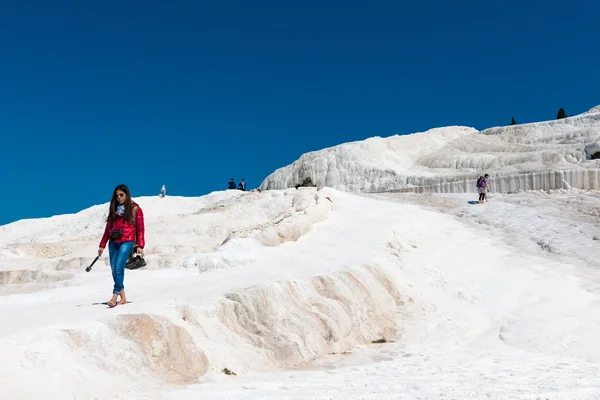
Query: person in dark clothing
231, 184
481, 189
486, 178
242, 185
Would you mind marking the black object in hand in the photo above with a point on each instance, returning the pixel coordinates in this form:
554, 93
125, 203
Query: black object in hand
88, 269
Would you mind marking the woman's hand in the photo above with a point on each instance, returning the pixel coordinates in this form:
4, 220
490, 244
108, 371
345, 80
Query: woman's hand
100, 251
140, 251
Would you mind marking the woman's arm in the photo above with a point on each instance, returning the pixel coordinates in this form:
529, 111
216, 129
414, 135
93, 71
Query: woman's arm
139, 222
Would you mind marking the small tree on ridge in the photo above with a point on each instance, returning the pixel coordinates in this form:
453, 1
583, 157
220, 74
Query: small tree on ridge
561, 114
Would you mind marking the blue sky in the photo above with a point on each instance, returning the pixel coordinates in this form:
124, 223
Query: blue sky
189, 94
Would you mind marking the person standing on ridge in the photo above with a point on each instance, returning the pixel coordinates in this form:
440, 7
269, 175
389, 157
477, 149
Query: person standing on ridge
231, 184
242, 185
125, 229
163, 191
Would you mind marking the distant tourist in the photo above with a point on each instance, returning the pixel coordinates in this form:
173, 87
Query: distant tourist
486, 178
125, 228
242, 185
231, 184
163, 191
481, 189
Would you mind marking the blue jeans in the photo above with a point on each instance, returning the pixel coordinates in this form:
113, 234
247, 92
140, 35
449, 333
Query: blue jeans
118, 254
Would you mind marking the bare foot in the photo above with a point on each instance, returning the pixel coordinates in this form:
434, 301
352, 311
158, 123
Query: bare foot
113, 301
123, 298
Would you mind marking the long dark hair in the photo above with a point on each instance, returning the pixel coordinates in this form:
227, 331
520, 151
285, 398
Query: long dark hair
114, 202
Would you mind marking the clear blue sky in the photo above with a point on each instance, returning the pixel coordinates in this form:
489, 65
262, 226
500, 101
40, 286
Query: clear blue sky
189, 94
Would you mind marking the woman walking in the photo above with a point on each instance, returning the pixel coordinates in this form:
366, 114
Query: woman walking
125, 229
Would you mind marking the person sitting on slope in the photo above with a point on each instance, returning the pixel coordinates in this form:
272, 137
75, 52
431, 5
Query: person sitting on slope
121, 229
